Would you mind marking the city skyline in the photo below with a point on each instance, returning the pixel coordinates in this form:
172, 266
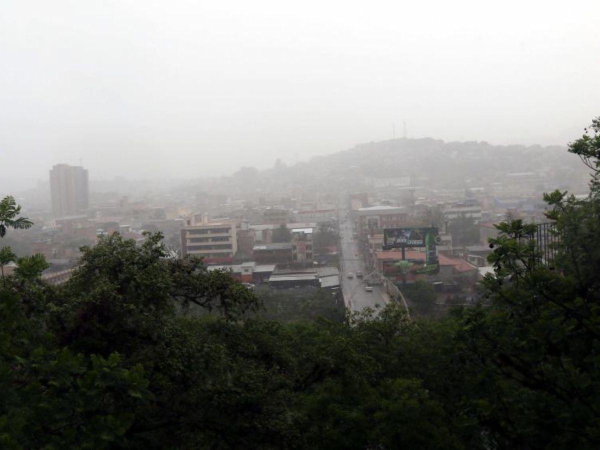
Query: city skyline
183, 89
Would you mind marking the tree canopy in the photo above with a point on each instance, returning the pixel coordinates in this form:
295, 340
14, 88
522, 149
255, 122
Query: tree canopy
281, 234
140, 351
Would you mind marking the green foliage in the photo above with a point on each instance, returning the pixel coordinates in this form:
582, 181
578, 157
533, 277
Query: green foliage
31, 267
464, 231
281, 234
537, 342
422, 296
6, 257
588, 149
53, 398
306, 305
436, 218
194, 285
138, 351
9, 210
325, 236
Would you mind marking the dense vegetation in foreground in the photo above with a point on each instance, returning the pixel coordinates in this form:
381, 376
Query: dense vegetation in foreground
111, 359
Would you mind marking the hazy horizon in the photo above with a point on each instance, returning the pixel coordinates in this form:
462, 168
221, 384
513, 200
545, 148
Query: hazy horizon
187, 89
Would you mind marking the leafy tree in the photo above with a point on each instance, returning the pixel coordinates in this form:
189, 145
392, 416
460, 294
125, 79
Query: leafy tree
51, 397
588, 149
6, 256
421, 295
121, 293
325, 236
9, 210
31, 267
281, 234
139, 351
464, 231
436, 218
537, 342
304, 305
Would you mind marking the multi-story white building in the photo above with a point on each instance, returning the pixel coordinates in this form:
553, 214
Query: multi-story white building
215, 242
468, 209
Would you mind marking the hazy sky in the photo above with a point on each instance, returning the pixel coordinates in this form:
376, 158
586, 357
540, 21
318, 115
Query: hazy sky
194, 88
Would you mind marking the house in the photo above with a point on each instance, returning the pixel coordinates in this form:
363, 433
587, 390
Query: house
280, 253
302, 244
248, 272
389, 263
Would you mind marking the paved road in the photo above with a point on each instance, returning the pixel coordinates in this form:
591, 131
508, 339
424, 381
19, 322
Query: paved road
355, 296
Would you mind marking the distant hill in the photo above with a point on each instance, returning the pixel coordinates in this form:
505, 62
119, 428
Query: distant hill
437, 162
430, 163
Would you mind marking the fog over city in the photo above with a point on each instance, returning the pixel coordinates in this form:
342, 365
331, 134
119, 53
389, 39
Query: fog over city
314, 225
193, 89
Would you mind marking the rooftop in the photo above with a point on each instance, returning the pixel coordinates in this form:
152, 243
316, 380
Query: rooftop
380, 208
302, 230
239, 268
459, 265
277, 246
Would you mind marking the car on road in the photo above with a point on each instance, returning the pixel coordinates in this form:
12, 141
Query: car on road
369, 288
359, 274
350, 275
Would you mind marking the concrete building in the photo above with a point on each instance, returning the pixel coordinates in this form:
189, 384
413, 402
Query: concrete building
69, 190
313, 278
280, 253
248, 272
468, 208
358, 201
276, 216
302, 244
317, 215
450, 269
215, 242
380, 217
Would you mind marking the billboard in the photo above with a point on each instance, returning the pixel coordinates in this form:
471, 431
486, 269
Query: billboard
409, 237
414, 237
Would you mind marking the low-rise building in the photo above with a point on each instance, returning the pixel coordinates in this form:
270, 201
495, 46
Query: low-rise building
469, 209
249, 272
216, 243
380, 217
280, 253
302, 244
316, 215
390, 264
322, 277
276, 216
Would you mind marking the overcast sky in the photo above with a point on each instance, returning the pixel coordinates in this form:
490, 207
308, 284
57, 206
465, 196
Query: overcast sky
178, 88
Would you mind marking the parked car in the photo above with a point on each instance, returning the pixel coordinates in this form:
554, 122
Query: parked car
359, 274
369, 288
350, 275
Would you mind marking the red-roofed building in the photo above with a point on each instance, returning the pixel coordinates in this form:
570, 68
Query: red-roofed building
450, 268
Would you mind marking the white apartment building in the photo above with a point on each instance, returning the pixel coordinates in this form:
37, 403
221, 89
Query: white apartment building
215, 242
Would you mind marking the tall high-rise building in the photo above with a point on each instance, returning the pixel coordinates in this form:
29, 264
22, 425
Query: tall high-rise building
69, 190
